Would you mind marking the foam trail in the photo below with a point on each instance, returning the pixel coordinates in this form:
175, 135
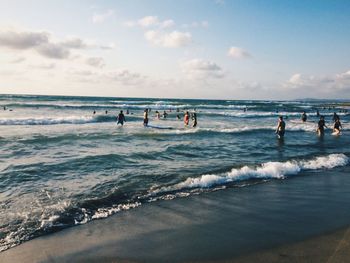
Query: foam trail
267, 170
57, 120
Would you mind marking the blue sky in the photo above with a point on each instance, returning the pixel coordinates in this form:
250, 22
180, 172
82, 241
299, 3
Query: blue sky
221, 49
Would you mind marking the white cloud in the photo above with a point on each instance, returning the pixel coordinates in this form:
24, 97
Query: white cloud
199, 68
170, 40
236, 52
17, 60
101, 17
45, 66
319, 86
42, 43
148, 21
125, 77
97, 62
129, 23
167, 23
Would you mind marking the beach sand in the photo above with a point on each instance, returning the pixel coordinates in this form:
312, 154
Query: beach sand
270, 222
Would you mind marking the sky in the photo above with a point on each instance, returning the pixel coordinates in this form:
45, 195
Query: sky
209, 49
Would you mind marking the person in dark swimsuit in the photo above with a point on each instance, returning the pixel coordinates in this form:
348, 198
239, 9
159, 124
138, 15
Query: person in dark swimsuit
121, 118
321, 126
304, 116
194, 118
337, 126
281, 127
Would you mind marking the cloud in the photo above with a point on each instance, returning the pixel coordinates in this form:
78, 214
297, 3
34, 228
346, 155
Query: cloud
237, 53
17, 60
97, 62
318, 85
75, 43
44, 66
125, 77
52, 50
174, 39
42, 43
167, 23
148, 21
101, 17
22, 40
199, 68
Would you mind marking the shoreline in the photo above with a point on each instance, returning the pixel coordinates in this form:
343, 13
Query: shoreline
248, 224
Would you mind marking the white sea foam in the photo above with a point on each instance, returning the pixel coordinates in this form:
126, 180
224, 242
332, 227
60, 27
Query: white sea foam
105, 212
49, 121
269, 170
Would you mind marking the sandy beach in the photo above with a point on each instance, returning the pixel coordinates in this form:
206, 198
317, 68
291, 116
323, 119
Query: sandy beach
255, 224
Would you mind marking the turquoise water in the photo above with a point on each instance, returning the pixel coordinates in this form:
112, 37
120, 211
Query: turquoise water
61, 165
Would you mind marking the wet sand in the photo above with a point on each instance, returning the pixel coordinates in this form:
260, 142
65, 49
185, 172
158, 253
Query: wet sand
302, 219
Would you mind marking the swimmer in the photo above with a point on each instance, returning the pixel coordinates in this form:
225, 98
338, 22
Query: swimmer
335, 117
186, 118
337, 127
121, 118
194, 118
304, 116
321, 125
281, 127
145, 117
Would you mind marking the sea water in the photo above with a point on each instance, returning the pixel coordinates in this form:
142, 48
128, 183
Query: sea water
64, 161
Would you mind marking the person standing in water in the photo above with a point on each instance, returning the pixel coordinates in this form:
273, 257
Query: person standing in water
281, 127
304, 116
337, 127
321, 125
121, 118
194, 118
335, 117
186, 118
145, 117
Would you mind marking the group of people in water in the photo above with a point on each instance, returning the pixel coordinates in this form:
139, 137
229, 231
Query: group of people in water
321, 125
187, 116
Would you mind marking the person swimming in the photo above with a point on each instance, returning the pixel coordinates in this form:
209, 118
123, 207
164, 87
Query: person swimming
304, 116
337, 127
145, 117
281, 127
186, 118
321, 126
165, 114
121, 118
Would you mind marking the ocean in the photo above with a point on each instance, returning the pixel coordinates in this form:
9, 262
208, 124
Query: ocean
63, 165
